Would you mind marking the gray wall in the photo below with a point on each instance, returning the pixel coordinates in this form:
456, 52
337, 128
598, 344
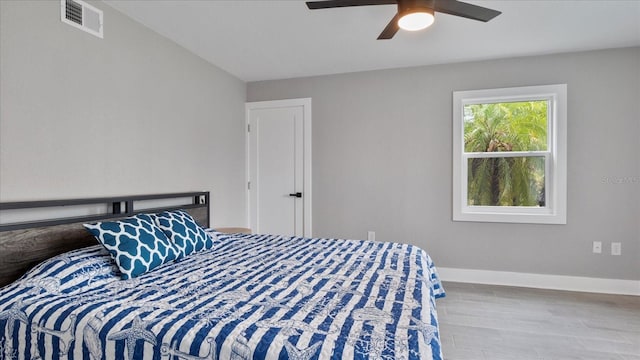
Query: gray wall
132, 113
382, 161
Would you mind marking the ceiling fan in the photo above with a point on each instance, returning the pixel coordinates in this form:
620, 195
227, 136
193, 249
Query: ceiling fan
413, 14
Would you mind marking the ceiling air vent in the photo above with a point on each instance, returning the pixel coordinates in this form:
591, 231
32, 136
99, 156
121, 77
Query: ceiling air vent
81, 15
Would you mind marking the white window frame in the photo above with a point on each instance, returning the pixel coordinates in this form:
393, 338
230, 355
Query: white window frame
555, 209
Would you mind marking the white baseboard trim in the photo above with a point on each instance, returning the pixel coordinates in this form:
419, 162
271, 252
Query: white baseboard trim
541, 281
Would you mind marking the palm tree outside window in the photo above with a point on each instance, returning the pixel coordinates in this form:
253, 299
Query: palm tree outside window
510, 155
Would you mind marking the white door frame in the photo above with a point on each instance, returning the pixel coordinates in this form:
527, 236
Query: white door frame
306, 197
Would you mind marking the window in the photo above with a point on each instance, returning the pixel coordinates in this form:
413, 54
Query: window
509, 155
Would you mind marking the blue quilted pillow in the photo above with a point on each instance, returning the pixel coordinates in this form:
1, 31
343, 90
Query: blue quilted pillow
136, 244
186, 235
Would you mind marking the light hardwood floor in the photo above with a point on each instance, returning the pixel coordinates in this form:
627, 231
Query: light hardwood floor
486, 322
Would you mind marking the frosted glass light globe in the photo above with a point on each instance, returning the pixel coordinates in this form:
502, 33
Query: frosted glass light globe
416, 21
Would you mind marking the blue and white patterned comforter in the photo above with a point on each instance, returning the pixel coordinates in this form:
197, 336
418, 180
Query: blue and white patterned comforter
250, 297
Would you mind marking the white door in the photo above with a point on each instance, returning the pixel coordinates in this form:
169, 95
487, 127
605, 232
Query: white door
279, 167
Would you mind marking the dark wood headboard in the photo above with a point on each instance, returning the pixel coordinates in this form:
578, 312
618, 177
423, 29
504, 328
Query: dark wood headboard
24, 244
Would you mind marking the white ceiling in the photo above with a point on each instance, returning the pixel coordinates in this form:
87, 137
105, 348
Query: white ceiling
268, 39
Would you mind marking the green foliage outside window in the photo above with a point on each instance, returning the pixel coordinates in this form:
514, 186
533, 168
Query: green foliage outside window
502, 127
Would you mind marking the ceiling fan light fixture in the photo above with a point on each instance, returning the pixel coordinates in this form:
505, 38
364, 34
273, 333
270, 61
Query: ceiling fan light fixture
416, 20
413, 15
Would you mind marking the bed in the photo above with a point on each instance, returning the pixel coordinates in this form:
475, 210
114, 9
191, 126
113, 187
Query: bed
247, 296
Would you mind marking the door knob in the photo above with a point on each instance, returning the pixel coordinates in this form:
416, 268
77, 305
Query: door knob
298, 195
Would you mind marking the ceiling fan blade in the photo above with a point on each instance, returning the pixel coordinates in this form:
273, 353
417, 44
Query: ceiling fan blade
327, 4
466, 10
391, 29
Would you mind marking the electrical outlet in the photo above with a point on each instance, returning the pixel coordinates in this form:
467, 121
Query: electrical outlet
616, 248
371, 236
597, 247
